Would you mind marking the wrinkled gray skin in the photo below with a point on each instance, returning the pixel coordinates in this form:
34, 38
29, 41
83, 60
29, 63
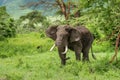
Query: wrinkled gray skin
78, 39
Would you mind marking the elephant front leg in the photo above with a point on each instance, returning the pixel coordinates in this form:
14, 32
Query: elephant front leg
85, 56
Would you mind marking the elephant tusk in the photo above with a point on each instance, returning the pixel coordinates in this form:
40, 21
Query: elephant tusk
52, 47
66, 49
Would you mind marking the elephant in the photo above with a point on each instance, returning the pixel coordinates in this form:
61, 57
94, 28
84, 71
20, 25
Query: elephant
78, 39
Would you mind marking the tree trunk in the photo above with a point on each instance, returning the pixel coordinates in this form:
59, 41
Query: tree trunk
65, 9
116, 48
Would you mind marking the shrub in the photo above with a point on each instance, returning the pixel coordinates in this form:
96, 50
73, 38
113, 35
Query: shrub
33, 21
7, 25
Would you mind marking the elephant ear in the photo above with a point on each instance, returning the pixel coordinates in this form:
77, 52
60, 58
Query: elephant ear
51, 32
74, 35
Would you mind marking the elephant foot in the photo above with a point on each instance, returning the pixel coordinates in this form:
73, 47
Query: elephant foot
86, 60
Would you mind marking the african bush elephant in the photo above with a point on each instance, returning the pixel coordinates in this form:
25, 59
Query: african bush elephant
78, 39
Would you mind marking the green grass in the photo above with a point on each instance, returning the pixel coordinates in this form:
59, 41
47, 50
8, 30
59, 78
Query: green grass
21, 60
24, 44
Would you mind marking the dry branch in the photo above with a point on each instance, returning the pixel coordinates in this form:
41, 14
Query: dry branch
116, 48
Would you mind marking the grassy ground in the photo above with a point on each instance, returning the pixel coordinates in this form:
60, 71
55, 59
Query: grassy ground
22, 59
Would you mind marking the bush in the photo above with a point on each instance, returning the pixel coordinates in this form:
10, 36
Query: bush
7, 25
33, 21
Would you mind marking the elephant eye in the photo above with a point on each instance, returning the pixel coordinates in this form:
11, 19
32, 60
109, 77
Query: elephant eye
61, 35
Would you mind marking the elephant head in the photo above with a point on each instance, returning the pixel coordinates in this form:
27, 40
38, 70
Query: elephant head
63, 35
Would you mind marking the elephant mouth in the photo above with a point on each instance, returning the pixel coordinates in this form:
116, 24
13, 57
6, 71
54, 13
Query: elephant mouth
59, 43
65, 49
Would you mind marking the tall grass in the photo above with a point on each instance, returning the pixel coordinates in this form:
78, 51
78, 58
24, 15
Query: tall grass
25, 44
27, 57
46, 66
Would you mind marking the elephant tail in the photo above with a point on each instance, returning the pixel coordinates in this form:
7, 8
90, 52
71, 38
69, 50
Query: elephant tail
92, 53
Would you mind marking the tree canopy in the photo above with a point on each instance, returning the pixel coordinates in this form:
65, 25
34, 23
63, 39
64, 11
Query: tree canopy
33, 21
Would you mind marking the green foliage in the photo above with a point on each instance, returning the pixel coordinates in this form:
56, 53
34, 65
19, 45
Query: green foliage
33, 21
102, 46
7, 25
108, 17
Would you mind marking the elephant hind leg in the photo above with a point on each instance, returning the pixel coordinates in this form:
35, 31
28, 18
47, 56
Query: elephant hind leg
85, 51
85, 54
78, 53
